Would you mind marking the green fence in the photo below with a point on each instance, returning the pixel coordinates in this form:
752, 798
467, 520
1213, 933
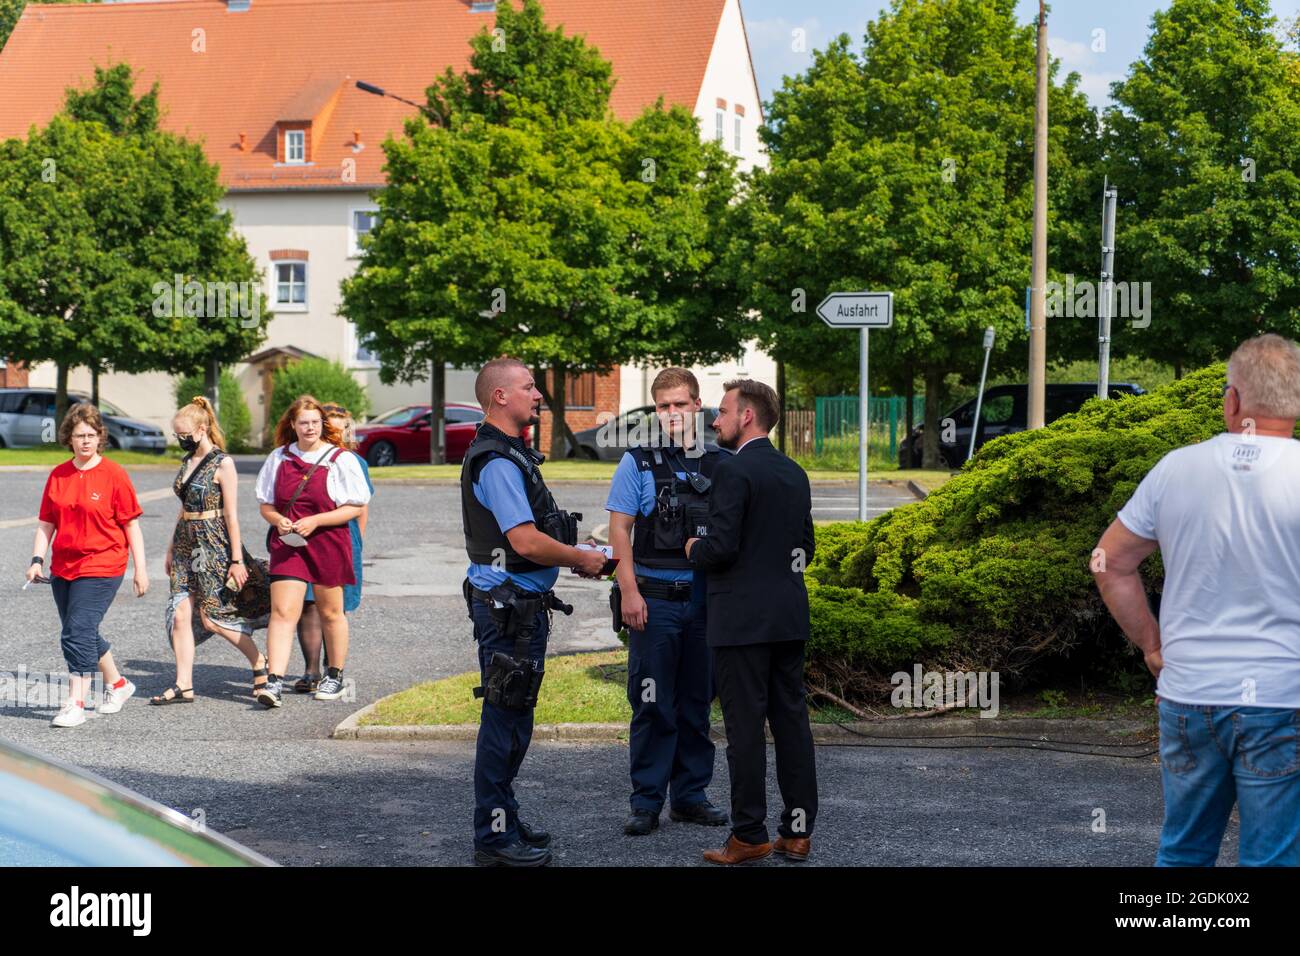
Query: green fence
836, 428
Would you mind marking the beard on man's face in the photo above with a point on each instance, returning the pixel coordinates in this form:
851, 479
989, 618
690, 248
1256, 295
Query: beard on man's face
727, 441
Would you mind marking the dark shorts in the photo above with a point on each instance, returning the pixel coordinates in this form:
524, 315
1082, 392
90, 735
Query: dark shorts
82, 604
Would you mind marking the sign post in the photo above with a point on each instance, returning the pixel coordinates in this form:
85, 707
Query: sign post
863, 311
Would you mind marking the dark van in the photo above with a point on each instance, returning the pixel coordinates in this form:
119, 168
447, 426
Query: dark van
1005, 410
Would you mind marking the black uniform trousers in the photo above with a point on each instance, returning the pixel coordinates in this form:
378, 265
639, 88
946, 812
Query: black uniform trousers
758, 682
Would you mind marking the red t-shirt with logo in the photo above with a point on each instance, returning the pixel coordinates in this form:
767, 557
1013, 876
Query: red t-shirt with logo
89, 510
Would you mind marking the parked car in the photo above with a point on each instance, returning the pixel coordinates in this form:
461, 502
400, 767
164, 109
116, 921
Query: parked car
609, 441
401, 435
55, 814
1005, 410
27, 415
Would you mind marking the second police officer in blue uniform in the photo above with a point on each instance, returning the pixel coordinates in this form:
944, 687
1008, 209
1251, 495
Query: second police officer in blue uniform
658, 499
517, 539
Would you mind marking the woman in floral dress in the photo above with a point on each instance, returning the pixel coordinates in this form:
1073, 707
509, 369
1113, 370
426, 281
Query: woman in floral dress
212, 592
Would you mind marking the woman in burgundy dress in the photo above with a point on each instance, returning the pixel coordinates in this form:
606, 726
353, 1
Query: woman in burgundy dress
309, 489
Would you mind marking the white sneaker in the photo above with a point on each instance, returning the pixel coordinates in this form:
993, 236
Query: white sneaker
114, 699
71, 714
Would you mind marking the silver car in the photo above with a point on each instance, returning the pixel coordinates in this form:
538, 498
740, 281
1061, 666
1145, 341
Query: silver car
54, 814
27, 420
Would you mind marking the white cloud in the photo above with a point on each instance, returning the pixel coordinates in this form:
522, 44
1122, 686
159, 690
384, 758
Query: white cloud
772, 43
1077, 57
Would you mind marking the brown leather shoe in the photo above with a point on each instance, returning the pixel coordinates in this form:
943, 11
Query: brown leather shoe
736, 851
794, 848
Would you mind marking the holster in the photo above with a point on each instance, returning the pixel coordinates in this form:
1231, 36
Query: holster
512, 681
616, 607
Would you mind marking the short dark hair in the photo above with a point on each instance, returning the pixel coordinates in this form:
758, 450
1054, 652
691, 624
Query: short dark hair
761, 398
490, 378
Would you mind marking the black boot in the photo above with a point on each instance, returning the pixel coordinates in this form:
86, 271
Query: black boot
641, 822
705, 814
533, 836
514, 854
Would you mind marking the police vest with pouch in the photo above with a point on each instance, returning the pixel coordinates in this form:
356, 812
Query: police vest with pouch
485, 542
680, 511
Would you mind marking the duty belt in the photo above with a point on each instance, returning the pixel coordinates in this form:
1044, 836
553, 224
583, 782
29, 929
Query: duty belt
549, 600
664, 590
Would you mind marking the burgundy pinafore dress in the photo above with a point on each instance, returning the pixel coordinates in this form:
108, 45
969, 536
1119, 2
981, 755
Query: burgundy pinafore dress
326, 561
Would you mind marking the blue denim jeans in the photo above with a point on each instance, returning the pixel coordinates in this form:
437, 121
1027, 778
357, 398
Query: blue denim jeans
1213, 757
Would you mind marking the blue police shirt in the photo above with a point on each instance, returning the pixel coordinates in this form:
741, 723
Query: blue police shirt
632, 492
500, 489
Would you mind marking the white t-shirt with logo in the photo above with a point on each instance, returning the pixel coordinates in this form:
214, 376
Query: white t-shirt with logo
1227, 515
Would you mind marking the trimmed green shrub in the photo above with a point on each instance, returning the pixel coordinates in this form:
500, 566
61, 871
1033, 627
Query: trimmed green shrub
991, 571
327, 381
232, 410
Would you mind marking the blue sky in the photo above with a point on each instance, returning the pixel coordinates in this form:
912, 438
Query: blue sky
1071, 23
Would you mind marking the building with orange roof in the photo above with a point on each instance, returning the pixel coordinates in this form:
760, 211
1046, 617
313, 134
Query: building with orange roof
270, 89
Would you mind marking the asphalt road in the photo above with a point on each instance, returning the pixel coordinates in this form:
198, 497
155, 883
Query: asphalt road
274, 781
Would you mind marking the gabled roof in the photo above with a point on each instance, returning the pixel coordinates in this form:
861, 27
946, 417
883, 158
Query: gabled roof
225, 73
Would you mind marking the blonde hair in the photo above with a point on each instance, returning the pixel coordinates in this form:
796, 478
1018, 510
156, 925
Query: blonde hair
675, 378
199, 412
1265, 371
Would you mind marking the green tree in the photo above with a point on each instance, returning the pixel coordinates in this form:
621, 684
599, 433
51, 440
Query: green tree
531, 222
103, 219
324, 380
1201, 146
908, 168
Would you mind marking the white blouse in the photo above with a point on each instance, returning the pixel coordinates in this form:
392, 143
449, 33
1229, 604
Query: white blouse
345, 483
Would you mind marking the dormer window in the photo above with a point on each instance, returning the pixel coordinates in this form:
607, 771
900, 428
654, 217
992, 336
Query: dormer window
295, 146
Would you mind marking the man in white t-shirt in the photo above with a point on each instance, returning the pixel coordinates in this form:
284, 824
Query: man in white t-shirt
1225, 514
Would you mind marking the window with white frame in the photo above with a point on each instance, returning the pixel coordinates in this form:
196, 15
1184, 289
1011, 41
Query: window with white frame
719, 131
363, 221
361, 354
295, 146
291, 284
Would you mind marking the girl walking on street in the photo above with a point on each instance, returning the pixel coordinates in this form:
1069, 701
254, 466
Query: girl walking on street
213, 577
309, 488
310, 636
89, 508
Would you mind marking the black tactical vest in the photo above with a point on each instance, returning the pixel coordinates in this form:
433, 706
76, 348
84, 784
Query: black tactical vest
680, 512
483, 536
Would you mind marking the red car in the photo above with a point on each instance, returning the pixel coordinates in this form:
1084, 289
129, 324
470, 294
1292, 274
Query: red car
401, 436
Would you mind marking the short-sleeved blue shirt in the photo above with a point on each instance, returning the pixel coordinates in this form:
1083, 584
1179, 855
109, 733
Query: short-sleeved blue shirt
632, 492
500, 489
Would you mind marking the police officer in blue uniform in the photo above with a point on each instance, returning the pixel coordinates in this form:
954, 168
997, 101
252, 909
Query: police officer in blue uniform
658, 499
517, 540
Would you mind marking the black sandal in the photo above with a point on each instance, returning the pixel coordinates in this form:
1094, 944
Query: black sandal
306, 684
178, 696
262, 672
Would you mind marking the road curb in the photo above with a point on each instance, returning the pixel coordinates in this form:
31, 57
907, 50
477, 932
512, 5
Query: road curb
917, 490
1099, 733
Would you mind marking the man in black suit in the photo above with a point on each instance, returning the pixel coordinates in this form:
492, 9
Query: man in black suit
759, 541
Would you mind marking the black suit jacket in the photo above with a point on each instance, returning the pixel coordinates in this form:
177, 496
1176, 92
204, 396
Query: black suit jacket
760, 540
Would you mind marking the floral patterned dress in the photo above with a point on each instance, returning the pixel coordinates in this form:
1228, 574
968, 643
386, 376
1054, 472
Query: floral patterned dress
201, 556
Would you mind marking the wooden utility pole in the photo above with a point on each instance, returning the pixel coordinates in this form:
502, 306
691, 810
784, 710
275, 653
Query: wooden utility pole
1038, 303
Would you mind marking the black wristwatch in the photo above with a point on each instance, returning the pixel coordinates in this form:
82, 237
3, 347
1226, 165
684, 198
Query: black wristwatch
234, 561
37, 561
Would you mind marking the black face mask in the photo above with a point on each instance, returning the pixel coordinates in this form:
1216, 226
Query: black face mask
188, 444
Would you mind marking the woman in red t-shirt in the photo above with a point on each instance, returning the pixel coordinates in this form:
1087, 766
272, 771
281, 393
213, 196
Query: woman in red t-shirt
90, 509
